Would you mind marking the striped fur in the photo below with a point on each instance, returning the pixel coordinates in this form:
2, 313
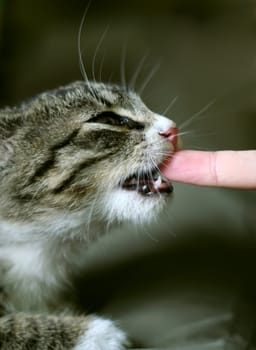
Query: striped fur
61, 163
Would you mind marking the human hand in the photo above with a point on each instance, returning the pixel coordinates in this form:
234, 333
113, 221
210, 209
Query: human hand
233, 169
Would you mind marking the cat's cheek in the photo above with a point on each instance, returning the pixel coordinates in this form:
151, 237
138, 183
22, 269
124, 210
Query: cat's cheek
102, 334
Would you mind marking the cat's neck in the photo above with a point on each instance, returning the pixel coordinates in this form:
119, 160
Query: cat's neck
38, 260
50, 227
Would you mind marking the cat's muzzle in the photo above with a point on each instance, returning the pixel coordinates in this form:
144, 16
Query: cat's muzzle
148, 183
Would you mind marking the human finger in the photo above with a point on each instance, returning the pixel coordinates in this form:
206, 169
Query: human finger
235, 169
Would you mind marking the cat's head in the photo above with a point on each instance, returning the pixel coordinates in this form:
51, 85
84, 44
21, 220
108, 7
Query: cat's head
86, 150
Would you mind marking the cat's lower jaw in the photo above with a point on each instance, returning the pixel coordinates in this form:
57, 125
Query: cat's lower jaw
122, 205
102, 334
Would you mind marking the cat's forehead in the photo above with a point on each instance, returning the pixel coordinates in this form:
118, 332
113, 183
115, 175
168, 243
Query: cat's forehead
114, 97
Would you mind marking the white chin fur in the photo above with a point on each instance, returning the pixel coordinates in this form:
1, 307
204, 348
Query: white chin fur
122, 205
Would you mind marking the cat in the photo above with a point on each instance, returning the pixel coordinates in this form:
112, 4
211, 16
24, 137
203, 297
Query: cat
73, 161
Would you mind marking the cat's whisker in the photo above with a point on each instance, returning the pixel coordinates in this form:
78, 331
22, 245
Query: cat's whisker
97, 50
110, 77
136, 74
200, 133
79, 38
155, 164
173, 101
185, 132
123, 66
165, 155
149, 77
80, 52
138, 182
151, 161
101, 67
196, 115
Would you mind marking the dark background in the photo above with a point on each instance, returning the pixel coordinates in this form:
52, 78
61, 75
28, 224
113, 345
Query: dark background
189, 282
206, 50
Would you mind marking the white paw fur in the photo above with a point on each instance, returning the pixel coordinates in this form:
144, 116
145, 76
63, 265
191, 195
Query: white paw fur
102, 334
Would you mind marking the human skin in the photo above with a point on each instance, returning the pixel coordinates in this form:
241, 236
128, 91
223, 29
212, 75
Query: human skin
230, 169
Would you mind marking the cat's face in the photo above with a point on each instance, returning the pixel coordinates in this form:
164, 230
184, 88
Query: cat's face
93, 151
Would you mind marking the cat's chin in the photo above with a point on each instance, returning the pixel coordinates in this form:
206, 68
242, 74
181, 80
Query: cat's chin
131, 205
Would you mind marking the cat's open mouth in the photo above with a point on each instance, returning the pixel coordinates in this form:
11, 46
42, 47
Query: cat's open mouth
150, 183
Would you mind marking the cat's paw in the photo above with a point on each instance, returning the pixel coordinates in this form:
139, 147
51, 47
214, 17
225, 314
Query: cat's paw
102, 334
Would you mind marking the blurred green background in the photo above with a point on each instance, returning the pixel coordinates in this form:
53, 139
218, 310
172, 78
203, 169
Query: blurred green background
206, 50
189, 282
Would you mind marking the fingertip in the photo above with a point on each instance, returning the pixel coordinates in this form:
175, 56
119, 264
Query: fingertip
188, 166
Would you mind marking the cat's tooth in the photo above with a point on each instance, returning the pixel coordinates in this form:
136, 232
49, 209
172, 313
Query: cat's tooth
157, 182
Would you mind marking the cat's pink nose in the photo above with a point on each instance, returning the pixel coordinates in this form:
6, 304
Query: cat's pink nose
171, 134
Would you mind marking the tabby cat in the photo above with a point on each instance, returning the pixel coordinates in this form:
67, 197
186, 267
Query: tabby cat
72, 161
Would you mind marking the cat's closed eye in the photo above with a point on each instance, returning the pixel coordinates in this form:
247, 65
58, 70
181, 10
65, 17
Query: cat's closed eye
115, 119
